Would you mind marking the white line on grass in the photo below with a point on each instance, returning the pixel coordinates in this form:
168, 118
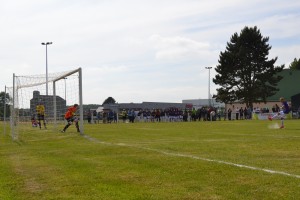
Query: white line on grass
194, 157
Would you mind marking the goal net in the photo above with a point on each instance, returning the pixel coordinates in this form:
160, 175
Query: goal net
30, 93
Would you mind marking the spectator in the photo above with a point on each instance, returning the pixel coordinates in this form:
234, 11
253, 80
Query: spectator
229, 113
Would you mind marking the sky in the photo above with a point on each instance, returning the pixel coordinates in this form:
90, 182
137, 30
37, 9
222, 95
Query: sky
138, 50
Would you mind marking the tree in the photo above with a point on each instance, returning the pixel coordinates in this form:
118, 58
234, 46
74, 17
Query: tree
244, 72
4, 98
109, 100
295, 64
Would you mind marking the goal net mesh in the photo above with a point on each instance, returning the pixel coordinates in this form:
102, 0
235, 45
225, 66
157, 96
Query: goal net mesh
61, 91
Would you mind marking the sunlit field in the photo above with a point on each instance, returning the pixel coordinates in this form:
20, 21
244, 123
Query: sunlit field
182, 160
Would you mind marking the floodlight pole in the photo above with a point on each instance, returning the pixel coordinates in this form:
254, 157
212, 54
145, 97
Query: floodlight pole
209, 101
46, 44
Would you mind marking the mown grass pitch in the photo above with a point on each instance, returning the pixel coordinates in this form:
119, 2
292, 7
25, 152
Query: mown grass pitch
193, 160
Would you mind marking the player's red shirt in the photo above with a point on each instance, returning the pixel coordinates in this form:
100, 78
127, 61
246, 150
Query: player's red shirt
71, 112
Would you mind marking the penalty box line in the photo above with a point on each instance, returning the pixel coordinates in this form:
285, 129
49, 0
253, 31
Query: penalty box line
193, 157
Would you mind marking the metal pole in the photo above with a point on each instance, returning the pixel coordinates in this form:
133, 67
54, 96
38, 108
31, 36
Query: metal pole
209, 101
81, 102
46, 44
54, 104
46, 70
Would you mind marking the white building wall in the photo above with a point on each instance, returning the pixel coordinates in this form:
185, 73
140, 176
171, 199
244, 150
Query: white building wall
203, 102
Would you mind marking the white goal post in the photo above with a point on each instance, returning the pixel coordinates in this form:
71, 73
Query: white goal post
79, 71
30, 91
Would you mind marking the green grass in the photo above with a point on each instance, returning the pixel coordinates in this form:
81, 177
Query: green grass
193, 160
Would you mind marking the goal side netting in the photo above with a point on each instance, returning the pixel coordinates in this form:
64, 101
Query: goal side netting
62, 90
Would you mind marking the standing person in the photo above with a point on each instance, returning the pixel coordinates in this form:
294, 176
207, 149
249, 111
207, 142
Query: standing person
124, 115
131, 115
70, 117
115, 117
110, 116
246, 113
194, 114
157, 115
237, 113
281, 114
229, 113
241, 113
40, 109
89, 117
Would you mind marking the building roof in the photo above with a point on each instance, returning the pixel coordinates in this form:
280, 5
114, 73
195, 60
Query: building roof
144, 105
203, 102
288, 86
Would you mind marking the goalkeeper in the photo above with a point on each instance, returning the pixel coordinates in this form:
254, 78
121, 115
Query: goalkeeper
40, 109
70, 117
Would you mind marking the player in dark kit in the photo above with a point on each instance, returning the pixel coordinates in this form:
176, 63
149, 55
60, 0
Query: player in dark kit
285, 109
40, 109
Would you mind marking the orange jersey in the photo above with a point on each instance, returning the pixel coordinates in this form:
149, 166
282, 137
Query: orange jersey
71, 112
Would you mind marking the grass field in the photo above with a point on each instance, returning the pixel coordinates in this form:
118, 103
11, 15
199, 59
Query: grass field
193, 160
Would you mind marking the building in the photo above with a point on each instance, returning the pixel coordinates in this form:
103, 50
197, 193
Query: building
47, 101
198, 103
288, 88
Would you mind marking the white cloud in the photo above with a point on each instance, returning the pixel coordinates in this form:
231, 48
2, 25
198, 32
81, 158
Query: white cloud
177, 48
285, 55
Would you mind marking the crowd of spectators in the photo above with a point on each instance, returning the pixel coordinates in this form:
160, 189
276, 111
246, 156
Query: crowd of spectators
173, 114
156, 115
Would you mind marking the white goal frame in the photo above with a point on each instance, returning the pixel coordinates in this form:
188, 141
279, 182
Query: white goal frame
14, 105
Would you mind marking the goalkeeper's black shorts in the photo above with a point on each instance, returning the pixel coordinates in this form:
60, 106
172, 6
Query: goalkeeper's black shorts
41, 117
72, 119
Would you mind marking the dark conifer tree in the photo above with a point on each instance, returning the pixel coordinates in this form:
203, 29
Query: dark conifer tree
109, 100
244, 72
295, 64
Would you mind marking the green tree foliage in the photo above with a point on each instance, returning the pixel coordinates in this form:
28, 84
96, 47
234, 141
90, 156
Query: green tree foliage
4, 99
109, 100
244, 72
295, 64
